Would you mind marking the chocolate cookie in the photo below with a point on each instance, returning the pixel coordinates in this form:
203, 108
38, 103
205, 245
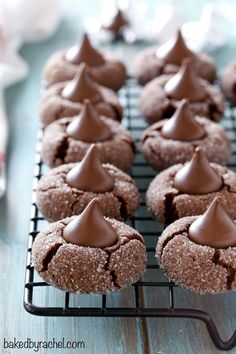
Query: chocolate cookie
174, 140
165, 60
160, 96
89, 253
66, 190
199, 252
228, 83
65, 99
67, 140
185, 190
105, 68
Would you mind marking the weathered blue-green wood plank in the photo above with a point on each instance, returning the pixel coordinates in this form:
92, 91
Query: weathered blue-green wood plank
188, 336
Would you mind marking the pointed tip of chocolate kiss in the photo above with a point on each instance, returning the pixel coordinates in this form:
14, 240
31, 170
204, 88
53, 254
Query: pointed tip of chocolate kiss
88, 126
90, 229
186, 84
182, 125
82, 87
84, 53
118, 22
90, 175
214, 228
175, 51
179, 34
197, 176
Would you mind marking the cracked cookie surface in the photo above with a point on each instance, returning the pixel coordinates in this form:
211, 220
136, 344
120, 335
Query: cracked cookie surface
89, 270
154, 103
167, 204
148, 66
56, 199
112, 73
202, 269
162, 153
53, 106
59, 148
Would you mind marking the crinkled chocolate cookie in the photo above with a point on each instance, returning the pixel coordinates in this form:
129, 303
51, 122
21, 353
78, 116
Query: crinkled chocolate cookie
67, 140
66, 190
161, 96
188, 189
105, 68
165, 60
199, 252
89, 253
173, 141
65, 99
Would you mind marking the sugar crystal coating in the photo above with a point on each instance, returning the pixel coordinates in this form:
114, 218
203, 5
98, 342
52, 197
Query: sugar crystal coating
202, 269
89, 270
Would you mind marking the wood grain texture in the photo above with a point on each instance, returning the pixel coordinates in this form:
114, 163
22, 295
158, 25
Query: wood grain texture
188, 336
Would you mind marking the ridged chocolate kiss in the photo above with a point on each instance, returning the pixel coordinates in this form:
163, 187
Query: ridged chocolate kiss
88, 126
182, 125
175, 51
89, 174
214, 228
82, 87
186, 84
197, 176
90, 229
118, 22
84, 53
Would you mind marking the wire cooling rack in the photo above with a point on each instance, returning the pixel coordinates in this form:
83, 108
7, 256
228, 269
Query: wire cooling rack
153, 295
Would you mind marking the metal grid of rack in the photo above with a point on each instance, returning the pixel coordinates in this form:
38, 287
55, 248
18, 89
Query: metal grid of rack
153, 280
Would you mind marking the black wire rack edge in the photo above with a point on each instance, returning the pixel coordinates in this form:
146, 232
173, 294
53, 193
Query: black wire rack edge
139, 310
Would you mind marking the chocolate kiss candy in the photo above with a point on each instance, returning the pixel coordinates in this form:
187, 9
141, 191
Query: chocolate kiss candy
84, 53
186, 84
182, 125
89, 174
197, 176
90, 229
176, 51
214, 228
88, 126
118, 22
82, 87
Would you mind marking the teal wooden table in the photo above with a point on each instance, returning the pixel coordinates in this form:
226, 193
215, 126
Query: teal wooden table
100, 335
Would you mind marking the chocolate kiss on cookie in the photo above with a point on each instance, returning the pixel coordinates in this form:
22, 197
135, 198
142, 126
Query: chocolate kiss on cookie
89, 174
214, 228
90, 229
197, 176
186, 84
88, 126
182, 125
176, 51
84, 53
118, 22
82, 87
